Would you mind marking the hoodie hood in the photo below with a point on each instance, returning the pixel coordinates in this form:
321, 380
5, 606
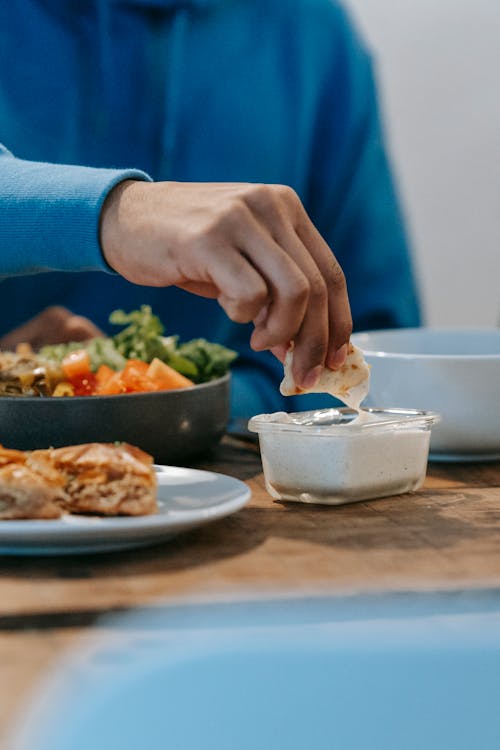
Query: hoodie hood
174, 55
93, 112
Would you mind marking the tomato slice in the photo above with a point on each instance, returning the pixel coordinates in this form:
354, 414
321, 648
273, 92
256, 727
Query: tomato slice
84, 385
76, 364
166, 377
103, 374
112, 386
134, 377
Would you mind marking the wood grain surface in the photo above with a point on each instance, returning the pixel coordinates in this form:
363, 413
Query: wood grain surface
444, 537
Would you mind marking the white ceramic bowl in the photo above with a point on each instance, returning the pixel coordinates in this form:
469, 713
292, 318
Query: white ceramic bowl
454, 371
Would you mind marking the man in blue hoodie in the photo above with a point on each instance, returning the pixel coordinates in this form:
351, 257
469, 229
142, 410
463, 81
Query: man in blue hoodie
249, 93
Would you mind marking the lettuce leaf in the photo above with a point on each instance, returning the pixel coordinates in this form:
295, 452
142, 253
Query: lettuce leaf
142, 338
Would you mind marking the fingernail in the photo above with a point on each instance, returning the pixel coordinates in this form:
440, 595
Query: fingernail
311, 377
338, 358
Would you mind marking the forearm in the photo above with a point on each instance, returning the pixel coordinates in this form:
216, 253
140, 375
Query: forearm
49, 215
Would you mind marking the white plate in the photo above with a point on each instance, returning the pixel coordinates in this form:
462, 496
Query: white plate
186, 497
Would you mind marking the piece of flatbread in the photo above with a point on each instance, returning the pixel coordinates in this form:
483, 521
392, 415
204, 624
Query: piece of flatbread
350, 383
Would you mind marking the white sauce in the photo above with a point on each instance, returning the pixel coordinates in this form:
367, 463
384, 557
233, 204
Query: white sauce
334, 469
324, 462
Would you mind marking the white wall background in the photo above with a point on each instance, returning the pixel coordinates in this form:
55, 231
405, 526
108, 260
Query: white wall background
438, 67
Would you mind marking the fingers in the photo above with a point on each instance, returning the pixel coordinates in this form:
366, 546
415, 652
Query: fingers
78, 328
339, 312
256, 278
242, 290
303, 318
252, 247
280, 351
338, 308
326, 324
54, 325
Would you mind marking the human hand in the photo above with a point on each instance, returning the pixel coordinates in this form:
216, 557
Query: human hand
54, 325
252, 247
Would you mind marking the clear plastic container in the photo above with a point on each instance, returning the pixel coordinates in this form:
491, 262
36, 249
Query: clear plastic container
332, 456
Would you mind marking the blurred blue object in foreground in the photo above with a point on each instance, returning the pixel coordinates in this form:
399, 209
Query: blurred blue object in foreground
395, 673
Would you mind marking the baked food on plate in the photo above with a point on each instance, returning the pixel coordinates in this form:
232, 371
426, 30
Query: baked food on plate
26, 494
11, 456
106, 478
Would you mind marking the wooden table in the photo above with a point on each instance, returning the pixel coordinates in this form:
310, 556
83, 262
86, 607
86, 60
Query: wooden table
446, 536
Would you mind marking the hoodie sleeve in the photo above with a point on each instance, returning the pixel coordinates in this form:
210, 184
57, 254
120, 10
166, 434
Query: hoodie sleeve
49, 215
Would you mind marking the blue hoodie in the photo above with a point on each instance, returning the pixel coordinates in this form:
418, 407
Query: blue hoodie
190, 90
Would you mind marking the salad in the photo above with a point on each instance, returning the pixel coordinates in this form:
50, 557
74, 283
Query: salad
138, 358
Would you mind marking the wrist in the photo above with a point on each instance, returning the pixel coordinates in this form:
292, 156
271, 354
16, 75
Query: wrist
112, 220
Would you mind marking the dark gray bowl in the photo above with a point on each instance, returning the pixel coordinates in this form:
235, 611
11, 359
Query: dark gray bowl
173, 426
